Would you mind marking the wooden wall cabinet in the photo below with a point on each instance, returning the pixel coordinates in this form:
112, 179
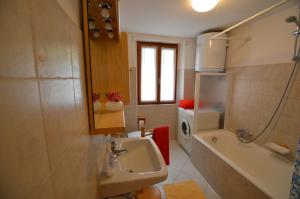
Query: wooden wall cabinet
107, 70
109, 66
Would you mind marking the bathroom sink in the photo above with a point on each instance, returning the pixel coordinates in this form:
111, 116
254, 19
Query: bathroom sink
141, 166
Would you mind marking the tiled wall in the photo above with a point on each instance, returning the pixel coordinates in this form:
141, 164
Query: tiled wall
189, 84
261, 67
256, 94
44, 126
287, 130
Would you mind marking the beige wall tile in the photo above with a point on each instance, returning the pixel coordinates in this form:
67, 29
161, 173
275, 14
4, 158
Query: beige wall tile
159, 115
52, 39
292, 109
281, 71
16, 52
43, 119
23, 154
131, 118
58, 103
274, 88
90, 190
133, 85
240, 98
241, 86
265, 61
180, 83
84, 152
298, 76
95, 156
81, 105
44, 190
68, 173
131, 109
295, 92
189, 84
77, 52
72, 9
252, 106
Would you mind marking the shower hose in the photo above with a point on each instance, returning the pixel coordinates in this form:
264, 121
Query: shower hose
287, 89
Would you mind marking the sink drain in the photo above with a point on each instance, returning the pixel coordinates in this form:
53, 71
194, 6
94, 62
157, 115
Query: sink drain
130, 171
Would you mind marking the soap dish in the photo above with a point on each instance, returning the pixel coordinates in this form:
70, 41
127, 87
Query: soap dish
277, 148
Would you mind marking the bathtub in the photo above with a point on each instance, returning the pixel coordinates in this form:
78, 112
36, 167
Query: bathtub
239, 171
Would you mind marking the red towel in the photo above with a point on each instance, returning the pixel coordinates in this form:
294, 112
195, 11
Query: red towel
189, 104
161, 138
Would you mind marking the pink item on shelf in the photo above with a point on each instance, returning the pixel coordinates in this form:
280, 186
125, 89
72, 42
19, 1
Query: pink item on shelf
113, 97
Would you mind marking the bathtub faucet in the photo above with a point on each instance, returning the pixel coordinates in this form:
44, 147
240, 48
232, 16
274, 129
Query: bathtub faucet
244, 135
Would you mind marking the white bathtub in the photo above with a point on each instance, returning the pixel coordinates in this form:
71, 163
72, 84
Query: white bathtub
269, 173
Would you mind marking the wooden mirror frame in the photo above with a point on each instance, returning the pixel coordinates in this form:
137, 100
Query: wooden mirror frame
111, 117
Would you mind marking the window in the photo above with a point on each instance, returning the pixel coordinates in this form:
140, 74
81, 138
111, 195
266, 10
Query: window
157, 70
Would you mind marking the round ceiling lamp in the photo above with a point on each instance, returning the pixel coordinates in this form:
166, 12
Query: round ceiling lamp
204, 5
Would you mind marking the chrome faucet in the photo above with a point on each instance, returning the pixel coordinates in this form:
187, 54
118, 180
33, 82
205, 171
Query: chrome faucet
116, 150
244, 135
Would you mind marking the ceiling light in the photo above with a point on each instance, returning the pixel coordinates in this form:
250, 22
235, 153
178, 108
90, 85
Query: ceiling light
92, 24
105, 13
110, 34
108, 26
105, 7
204, 5
96, 33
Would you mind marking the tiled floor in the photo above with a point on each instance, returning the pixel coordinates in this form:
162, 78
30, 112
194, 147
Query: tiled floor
182, 169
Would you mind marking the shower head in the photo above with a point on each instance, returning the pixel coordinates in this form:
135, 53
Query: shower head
293, 19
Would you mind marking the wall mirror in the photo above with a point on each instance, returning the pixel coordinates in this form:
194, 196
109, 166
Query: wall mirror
106, 50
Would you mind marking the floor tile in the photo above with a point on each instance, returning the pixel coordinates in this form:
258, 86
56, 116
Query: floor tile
182, 169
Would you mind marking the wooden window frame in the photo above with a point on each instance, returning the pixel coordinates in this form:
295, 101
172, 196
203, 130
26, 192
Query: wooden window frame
159, 46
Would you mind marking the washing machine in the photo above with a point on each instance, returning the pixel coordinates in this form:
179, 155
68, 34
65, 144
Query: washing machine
208, 119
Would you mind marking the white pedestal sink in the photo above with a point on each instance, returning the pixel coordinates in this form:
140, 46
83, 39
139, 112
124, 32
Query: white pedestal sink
142, 166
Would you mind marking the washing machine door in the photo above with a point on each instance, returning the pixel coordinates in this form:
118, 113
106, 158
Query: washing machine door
185, 128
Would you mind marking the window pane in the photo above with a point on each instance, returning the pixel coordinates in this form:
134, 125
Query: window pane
167, 79
148, 74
